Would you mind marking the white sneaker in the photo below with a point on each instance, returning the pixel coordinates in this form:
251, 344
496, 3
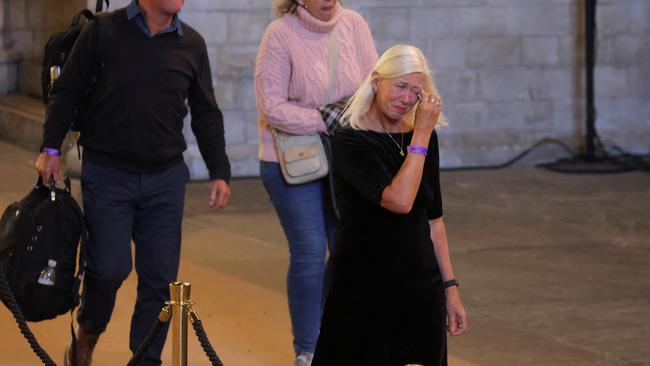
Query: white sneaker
304, 359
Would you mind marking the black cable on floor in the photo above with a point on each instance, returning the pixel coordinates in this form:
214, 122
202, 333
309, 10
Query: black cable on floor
519, 156
623, 158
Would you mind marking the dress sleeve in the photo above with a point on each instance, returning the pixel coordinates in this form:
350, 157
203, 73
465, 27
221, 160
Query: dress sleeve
435, 210
358, 163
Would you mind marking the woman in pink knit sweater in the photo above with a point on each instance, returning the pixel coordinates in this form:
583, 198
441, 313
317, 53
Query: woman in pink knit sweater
291, 77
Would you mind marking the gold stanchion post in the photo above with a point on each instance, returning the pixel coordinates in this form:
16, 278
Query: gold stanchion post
181, 305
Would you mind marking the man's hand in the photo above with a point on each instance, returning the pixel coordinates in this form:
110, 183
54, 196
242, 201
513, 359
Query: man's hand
48, 166
219, 194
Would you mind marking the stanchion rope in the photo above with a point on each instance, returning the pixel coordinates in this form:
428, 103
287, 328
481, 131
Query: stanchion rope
10, 302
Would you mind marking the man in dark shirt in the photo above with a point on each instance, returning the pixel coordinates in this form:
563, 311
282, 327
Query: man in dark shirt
133, 174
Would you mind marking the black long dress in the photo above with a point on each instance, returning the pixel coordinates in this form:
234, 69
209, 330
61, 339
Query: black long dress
385, 304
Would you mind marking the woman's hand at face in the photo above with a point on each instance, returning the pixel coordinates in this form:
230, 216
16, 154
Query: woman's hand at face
427, 112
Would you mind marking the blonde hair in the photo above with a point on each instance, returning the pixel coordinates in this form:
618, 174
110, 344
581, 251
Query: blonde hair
281, 7
397, 61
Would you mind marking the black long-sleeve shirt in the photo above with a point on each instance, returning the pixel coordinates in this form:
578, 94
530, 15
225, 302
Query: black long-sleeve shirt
136, 108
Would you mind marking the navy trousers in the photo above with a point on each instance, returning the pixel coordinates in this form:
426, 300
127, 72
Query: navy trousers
120, 207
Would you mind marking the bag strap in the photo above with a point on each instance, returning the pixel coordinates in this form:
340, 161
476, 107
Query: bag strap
333, 55
104, 34
98, 6
50, 185
73, 340
83, 239
76, 19
333, 60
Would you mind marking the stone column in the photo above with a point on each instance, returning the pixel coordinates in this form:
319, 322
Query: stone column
9, 56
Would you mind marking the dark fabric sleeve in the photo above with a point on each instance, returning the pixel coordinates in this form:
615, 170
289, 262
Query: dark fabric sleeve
207, 121
359, 165
435, 210
66, 94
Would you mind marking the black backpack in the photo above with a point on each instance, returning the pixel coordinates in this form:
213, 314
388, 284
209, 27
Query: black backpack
58, 48
45, 225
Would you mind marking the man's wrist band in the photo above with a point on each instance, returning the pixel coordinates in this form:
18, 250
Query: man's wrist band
51, 152
450, 283
417, 149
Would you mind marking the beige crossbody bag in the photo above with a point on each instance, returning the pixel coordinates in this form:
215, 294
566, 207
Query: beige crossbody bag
302, 157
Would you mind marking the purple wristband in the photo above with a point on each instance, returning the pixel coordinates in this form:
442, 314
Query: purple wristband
51, 152
417, 149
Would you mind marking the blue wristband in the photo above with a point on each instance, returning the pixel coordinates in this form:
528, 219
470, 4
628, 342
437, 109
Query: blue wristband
51, 152
417, 149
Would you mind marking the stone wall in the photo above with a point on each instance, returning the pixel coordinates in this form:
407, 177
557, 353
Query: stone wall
30, 24
233, 30
33, 21
511, 71
506, 69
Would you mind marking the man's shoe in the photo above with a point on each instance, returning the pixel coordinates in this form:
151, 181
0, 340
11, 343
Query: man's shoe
304, 359
85, 347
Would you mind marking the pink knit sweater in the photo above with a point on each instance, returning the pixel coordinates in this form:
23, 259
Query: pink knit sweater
292, 70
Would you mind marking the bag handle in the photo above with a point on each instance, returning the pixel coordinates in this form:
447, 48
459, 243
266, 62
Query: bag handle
76, 19
100, 3
51, 185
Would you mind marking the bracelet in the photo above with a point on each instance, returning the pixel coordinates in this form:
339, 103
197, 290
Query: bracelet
450, 283
417, 149
51, 152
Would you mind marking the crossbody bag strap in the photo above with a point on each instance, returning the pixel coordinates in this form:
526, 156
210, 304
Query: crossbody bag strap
333, 60
333, 41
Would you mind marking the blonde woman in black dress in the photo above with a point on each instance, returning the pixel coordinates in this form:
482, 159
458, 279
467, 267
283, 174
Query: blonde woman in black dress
393, 293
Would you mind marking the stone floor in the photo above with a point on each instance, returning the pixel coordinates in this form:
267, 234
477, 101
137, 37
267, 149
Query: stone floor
553, 270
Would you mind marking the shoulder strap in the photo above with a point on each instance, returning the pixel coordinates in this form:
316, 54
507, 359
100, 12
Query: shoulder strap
333, 59
104, 33
76, 19
81, 266
99, 4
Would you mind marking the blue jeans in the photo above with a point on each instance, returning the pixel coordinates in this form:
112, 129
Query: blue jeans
309, 226
121, 206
